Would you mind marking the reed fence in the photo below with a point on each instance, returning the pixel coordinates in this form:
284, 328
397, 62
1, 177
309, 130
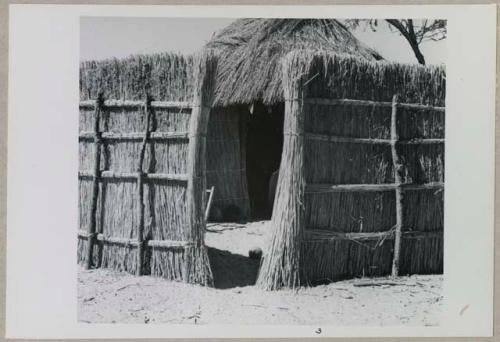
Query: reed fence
398, 187
142, 191
360, 189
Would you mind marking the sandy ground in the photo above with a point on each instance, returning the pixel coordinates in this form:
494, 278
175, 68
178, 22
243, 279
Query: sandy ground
105, 296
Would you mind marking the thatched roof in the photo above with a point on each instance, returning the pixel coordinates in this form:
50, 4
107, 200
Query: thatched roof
250, 52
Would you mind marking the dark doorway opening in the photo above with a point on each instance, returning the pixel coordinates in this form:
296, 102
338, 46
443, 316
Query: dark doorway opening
264, 144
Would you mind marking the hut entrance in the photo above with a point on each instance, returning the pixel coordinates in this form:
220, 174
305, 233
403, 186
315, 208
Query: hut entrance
264, 144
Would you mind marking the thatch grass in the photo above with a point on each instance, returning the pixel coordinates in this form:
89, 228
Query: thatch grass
343, 76
341, 259
165, 76
82, 251
190, 265
250, 53
351, 121
422, 256
423, 211
350, 212
344, 163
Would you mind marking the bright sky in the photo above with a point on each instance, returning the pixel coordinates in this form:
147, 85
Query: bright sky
104, 37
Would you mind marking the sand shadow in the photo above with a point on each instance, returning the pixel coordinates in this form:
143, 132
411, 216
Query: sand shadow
232, 270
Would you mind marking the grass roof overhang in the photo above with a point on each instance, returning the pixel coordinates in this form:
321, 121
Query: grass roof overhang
250, 53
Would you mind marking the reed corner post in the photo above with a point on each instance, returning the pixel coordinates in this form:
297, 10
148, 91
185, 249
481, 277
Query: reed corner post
282, 262
398, 180
91, 231
197, 266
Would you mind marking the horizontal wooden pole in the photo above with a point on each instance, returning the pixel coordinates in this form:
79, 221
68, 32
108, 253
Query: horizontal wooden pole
170, 244
134, 242
133, 104
373, 141
421, 141
83, 234
116, 240
314, 188
422, 235
166, 176
171, 104
133, 175
139, 136
166, 244
340, 139
323, 234
332, 102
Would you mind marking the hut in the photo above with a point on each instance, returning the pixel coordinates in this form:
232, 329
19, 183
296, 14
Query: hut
249, 90
359, 191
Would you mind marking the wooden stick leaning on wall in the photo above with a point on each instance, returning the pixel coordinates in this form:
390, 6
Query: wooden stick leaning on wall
95, 183
209, 203
398, 180
140, 188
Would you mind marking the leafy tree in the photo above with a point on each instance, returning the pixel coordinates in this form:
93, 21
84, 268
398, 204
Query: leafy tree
414, 31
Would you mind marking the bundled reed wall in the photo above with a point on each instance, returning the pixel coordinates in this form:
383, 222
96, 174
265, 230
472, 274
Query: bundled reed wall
173, 236
344, 231
117, 208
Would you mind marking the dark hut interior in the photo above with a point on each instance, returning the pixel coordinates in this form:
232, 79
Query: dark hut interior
264, 143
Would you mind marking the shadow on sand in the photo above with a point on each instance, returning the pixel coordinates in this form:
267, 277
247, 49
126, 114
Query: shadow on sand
232, 270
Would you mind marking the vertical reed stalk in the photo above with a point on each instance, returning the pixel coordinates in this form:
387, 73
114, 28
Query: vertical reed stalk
95, 182
398, 177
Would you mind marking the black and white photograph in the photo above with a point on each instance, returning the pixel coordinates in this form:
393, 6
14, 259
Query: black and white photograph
222, 171
278, 171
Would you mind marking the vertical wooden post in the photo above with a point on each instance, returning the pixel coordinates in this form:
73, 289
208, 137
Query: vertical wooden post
398, 179
140, 188
197, 269
95, 182
282, 263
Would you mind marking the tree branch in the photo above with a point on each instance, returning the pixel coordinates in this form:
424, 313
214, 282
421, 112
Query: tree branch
407, 30
399, 26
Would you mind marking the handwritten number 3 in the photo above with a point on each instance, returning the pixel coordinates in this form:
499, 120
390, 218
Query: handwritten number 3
318, 331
